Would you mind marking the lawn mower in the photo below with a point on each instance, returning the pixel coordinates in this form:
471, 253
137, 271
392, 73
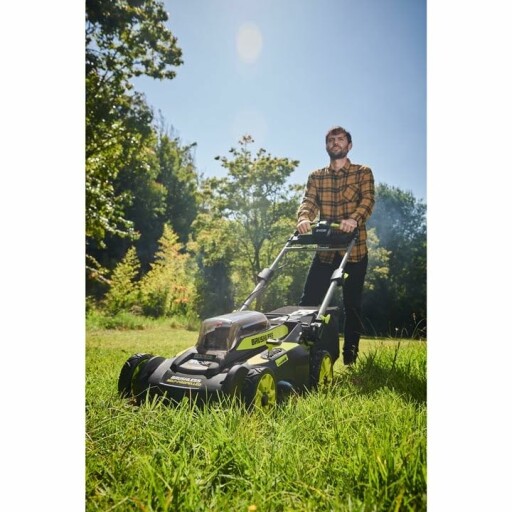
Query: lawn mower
260, 358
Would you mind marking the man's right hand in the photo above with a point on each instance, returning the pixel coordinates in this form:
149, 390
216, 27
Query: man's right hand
304, 226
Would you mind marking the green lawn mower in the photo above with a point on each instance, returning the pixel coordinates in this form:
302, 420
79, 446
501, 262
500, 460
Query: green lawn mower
260, 358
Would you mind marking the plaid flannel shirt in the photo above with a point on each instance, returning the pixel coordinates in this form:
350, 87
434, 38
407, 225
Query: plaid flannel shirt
340, 194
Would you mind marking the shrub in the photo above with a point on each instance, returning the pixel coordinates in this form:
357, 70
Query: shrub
168, 288
123, 293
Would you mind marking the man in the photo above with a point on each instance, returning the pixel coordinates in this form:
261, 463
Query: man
344, 193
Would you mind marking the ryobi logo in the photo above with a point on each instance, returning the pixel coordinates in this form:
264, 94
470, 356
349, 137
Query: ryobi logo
259, 339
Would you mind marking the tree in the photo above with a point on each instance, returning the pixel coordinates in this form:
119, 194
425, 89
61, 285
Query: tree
256, 197
168, 288
255, 205
400, 303
214, 247
179, 177
147, 205
124, 39
163, 191
399, 218
214, 288
123, 293
378, 261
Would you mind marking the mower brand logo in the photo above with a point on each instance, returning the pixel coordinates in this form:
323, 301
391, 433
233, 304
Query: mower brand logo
184, 381
260, 339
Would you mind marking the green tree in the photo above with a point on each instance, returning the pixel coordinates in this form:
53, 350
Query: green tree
147, 205
124, 39
256, 206
162, 185
378, 261
213, 244
179, 177
214, 288
400, 302
168, 288
123, 293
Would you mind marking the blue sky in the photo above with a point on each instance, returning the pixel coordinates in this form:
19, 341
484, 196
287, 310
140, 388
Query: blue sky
286, 71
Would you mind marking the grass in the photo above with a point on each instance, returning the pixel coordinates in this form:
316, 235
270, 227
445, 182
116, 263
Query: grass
359, 446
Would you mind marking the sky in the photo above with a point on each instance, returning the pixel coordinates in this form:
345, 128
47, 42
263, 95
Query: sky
286, 71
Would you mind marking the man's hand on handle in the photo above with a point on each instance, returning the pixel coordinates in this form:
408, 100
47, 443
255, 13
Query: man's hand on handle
346, 225
303, 227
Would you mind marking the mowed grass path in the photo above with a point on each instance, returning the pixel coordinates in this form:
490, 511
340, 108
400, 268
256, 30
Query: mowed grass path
360, 446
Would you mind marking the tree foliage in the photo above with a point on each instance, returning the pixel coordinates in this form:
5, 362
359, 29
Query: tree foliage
378, 261
256, 197
124, 39
128, 38
179, 177
214, 288
398, 305
250, 210
123, 294
164, 191
168, 288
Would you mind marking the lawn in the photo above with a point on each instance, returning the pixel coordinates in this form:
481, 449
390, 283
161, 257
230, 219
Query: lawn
358, 446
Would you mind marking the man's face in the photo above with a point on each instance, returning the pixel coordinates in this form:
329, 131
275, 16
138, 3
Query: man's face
338, 146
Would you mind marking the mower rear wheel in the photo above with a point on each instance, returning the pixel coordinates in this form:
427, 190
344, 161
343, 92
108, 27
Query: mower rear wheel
129, 372
260, 390
321, 370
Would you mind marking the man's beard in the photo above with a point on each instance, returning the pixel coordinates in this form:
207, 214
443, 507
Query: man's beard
336, 155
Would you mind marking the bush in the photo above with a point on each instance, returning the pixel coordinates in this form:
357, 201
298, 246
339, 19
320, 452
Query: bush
123, 321
168, 288
124, 289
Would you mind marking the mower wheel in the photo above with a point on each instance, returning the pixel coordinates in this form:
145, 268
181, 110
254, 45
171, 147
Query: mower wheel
140, 381
260, 390
129, 372
321, 373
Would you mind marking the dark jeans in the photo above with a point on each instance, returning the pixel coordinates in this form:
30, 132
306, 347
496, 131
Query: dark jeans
316, 286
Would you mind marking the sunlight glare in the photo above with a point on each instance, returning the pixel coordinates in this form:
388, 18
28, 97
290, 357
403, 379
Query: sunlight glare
249, 42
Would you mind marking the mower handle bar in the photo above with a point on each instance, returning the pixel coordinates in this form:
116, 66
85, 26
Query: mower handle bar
299, 243
323, 238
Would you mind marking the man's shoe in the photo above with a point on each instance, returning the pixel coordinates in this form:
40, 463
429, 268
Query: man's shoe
349, 358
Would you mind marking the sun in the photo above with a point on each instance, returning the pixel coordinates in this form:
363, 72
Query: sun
249, 42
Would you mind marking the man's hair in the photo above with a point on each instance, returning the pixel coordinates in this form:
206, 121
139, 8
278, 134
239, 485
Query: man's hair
336, 130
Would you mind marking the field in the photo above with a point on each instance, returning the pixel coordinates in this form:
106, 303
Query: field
359, 446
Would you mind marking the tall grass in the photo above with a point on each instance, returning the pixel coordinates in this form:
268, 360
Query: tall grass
359, 446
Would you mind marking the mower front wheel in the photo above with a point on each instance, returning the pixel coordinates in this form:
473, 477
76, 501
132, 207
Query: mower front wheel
129, 372
260, 389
